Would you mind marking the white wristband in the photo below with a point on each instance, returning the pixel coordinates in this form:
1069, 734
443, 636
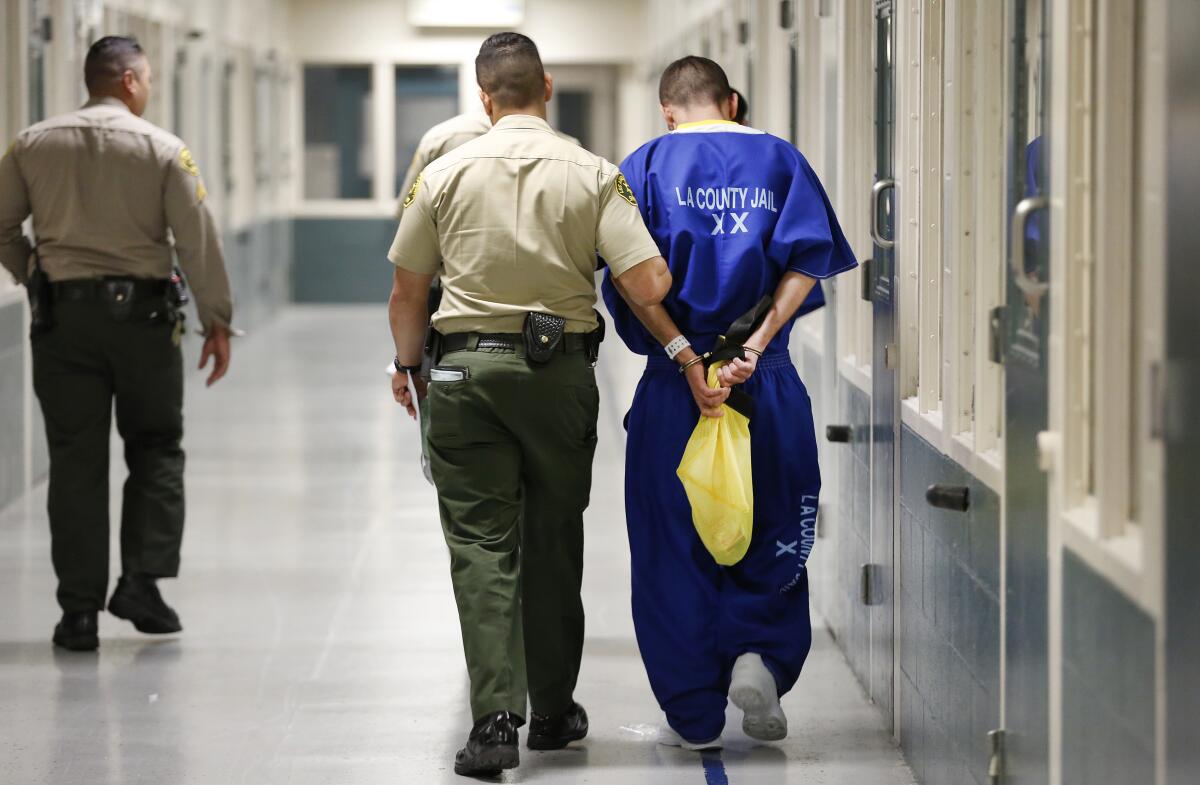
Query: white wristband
676, 346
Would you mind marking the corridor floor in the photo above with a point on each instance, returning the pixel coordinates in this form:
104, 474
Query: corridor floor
321, 643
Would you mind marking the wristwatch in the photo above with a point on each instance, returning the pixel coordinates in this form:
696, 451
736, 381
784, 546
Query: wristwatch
405, 369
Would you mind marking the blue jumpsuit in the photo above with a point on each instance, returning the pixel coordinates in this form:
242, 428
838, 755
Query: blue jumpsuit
732, 209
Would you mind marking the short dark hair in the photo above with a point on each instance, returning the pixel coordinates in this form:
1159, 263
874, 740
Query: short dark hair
693, 80
509, 69
108, 60
743, 109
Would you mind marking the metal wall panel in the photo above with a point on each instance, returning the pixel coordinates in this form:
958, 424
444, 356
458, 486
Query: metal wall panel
14, 344
948, 619
1182, 417
1108, 682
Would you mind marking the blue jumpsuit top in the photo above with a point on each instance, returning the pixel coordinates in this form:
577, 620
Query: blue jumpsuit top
732, 209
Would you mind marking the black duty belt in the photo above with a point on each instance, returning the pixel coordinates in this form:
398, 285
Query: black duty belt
86, 289
485, 342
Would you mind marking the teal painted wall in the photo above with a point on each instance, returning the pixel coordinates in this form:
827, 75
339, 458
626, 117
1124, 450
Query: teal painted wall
342, 260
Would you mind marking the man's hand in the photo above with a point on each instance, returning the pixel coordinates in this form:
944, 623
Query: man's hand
738, 371
404, 393
709, 399
216, 346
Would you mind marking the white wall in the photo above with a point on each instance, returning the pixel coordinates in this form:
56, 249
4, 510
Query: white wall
566, 31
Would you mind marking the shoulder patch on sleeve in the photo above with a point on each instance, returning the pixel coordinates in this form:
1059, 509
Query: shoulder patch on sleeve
412, 192
187, 163
624, 190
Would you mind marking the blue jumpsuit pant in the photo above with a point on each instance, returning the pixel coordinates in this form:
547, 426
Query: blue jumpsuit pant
694, 618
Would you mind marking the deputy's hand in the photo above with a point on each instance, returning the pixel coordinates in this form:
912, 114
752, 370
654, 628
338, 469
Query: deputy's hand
216, 346
403, 392
738, 371
709, 399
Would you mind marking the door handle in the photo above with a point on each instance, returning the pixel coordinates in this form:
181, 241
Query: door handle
877, 191
949, 497
1025, 208
838, 433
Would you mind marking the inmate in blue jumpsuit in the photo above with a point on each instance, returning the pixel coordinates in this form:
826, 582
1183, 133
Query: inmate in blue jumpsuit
732, 210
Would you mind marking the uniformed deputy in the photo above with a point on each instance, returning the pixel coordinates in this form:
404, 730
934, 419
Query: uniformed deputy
444, 137
437, 141
513, 221
104, 187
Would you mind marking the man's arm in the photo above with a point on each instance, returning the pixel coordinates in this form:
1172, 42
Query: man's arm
408, 314
14, 209
416, 253
199, 249
790, 294
643, 287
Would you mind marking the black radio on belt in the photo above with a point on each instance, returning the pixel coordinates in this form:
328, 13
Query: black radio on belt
543, 332
177, 292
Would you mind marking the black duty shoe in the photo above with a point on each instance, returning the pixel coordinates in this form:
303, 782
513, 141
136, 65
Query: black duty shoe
78, 631
137, 599
491, 747
556, 732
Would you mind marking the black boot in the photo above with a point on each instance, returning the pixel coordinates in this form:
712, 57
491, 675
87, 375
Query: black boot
78, 631
137, 599
557, 731
491, 747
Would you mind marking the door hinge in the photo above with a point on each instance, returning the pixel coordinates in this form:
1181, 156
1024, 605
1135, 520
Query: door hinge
868, 283
866, 588
997, 333
787, 14
889, 356
1158, 401
995, 757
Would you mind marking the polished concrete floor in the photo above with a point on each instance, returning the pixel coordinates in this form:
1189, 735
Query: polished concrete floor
321, 642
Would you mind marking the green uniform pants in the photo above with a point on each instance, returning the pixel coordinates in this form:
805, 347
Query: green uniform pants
511, 450
80, 367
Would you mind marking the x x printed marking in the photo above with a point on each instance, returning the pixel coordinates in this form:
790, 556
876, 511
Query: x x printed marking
789, 548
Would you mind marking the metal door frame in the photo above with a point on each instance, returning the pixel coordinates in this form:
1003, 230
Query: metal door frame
880, 579
1026, 551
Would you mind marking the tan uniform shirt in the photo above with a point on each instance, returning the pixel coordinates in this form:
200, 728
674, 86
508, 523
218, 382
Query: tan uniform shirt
104, 186
446, 136
518, 215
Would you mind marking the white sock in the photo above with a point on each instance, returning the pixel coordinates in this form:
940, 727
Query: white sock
752, 689
669, 738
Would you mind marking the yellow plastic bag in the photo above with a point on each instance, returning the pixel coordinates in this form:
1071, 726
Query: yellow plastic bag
715, 472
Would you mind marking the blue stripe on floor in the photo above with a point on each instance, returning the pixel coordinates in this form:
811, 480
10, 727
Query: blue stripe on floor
714, 769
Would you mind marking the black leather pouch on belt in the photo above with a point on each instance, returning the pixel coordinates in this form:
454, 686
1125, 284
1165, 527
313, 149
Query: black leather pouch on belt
41, 300
432, 351
594, 339
431, 354
118, 297
542, 334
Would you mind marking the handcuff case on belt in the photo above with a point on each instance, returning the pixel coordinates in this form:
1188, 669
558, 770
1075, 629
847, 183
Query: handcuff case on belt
543, 332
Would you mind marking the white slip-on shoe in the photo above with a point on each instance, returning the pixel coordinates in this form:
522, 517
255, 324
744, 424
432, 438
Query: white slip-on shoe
752, 689
669, 738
